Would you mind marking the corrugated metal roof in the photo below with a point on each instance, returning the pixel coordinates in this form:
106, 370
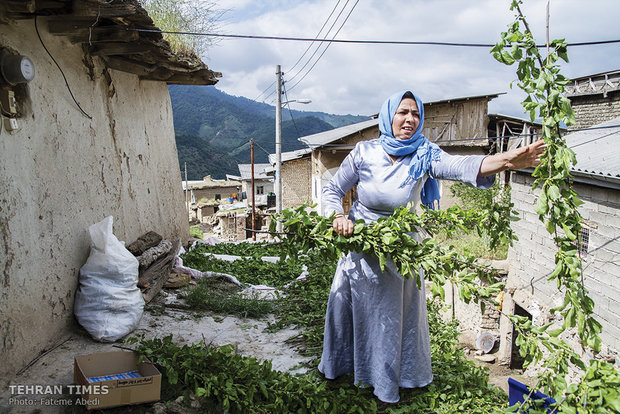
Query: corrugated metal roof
245, 170
597, 150
290, 155
323, 138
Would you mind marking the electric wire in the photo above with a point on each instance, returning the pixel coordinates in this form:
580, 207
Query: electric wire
288, 106
319, 33
36, 27
379, 42
326, 47
320, 43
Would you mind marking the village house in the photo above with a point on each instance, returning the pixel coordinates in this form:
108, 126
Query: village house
71, 153
263, 183
210, 189
596, 143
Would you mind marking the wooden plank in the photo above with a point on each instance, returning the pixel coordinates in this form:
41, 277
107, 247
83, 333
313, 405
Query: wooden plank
119, 48
161, 271
16, 6
102, 10
103, 34
130, 66
67, 25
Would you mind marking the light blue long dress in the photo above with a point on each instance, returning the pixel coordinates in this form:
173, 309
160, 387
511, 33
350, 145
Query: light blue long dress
376, 324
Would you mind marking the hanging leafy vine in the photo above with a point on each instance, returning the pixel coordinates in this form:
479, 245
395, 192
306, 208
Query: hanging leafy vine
540, 78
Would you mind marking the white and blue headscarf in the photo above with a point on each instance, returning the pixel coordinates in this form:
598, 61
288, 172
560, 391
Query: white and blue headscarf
423, 150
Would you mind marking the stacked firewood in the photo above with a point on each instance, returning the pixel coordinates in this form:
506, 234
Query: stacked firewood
156, 258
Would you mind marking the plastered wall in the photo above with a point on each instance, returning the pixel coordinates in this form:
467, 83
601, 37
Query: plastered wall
61, 172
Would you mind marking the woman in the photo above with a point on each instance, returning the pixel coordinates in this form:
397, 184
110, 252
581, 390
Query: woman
376, 324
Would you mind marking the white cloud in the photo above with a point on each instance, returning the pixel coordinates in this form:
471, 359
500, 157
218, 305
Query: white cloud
354, 78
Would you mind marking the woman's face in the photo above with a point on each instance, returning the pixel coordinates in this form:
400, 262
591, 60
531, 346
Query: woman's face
406, 119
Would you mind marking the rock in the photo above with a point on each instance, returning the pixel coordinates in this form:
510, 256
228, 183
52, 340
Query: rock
177, 280
159, 408
490, 359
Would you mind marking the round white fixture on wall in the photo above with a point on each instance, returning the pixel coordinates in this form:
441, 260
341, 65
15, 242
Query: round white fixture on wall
16, 68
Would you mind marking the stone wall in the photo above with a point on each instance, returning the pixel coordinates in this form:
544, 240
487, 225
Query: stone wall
594, 109
296, 182
532, 261
61, 172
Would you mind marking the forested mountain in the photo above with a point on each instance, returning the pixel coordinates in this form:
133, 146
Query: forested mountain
213, 129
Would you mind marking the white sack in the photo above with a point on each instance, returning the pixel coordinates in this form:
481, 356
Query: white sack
108, 302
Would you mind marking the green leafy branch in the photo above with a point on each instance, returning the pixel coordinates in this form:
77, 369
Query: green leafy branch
396, 243
557, 207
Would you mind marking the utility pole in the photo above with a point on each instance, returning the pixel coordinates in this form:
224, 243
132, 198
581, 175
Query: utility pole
253, 192
278, 178
186, 192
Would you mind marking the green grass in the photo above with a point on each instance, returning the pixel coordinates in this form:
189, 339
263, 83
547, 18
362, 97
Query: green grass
474, 244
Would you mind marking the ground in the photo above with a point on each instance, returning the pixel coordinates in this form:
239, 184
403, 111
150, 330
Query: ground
248, 336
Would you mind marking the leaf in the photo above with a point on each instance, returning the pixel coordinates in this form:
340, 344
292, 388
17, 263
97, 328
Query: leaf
553, 192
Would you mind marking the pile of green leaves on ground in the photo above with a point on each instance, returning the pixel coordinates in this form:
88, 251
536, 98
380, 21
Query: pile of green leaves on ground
250, 270
222, 297
240, 384
244, 249
194, 231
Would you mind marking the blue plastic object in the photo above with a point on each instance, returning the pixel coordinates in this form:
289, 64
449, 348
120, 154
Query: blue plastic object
517, 392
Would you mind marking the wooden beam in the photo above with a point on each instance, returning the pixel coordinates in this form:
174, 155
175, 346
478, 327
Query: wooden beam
130, 66
103, 34
102, 10
16, 6
68, 25
119, 48
197, 77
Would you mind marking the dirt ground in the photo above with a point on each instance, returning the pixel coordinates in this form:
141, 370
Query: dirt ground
56, 366
161, 318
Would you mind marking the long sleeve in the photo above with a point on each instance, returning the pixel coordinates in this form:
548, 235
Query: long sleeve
344, 179
463, 168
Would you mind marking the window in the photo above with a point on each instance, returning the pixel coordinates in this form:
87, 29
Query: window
584, 240
260, 189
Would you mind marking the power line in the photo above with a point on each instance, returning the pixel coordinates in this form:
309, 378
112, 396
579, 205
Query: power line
326, 47
319, 33
288, 106
308, 48
379, 42
320, 43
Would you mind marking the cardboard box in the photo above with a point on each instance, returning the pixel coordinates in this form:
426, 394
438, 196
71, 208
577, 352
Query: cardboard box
111, 379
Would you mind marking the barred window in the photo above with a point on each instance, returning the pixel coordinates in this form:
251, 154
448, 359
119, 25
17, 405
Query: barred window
584, 240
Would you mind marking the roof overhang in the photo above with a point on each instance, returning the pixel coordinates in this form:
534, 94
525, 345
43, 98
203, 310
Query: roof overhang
121, 33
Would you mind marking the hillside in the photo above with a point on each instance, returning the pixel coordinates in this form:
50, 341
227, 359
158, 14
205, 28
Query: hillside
213, 129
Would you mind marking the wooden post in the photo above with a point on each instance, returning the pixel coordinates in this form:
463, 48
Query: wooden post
253, 202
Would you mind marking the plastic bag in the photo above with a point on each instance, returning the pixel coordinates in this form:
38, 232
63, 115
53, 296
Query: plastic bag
108, 302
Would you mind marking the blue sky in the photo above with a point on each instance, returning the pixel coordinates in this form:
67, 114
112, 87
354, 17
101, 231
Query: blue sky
353, 78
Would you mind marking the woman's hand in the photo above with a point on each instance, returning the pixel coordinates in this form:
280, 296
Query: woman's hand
343, 226
516, 159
